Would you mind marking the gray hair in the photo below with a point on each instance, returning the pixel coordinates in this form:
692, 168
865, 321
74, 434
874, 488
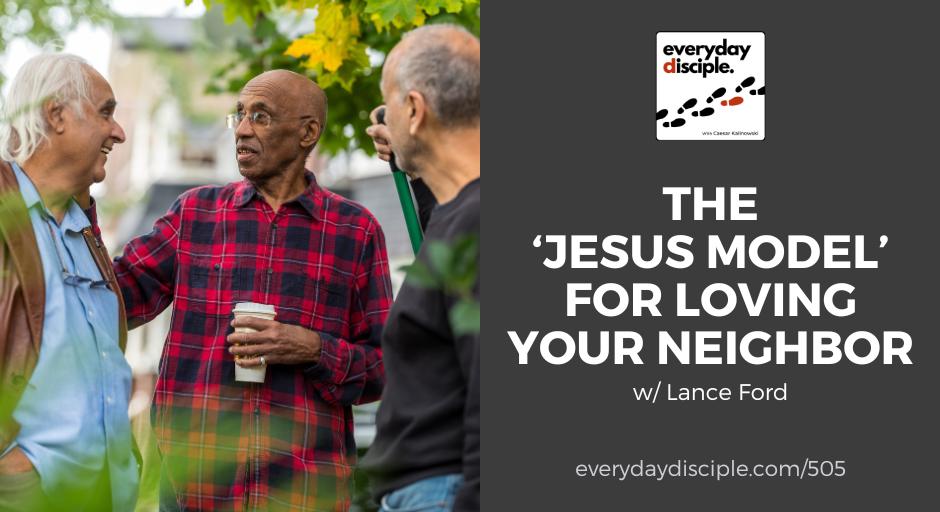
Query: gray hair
443, 71
59, 77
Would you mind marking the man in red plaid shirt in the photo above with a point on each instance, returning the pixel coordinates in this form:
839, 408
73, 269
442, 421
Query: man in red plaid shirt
276, 238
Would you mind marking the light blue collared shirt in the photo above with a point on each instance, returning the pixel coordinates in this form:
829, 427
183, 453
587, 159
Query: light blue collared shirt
73, 414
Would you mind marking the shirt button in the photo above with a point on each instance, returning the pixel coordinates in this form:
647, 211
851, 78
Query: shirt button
218, 266
109, 399
104, 354
91, 313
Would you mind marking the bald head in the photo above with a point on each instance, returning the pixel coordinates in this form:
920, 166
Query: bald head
296, 92
281, 116
442, 62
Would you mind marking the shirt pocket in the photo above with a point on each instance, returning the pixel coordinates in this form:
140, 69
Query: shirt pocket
316, 299
213, 285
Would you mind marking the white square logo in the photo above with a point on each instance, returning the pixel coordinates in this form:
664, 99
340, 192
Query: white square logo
710, 86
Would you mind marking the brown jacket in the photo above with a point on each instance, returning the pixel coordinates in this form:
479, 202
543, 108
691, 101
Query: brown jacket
23, 297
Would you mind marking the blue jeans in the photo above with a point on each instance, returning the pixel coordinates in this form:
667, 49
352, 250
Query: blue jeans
429, 495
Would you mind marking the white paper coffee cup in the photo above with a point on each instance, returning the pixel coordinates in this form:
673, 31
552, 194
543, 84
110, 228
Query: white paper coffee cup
266, 311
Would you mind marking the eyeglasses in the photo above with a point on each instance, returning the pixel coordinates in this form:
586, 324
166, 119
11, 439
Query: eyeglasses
70, 278
258, 118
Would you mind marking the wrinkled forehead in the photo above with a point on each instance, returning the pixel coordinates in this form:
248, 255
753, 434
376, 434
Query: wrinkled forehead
263, 93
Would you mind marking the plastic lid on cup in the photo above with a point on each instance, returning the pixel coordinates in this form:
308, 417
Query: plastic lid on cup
254, 307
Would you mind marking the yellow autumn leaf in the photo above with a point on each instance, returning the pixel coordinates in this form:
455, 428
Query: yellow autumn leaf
335, 37
300, 47
333, 56
379, 23
329, 18
354, 25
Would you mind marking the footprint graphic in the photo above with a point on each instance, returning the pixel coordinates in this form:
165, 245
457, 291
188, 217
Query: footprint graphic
675, 123
687, 105
715, 95
707, 111
749, 81
737, 100
759, 92
663, 113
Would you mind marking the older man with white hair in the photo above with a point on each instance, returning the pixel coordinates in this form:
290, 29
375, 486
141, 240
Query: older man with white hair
65, 438
426, 454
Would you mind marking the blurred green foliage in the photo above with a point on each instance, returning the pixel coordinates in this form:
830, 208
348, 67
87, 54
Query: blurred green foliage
346, 62
45, 22
344, 55
453, 268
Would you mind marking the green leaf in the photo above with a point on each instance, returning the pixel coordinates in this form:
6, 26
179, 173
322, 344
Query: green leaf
389, 9
359, 56
345, 76
431, 7
454, 6
465, 317
244, 9
465, 262
420, 275
440, 256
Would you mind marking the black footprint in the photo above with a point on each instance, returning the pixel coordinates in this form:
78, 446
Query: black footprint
675, 123
707, 111
759, 91
749, 81
689, 104
715, 95
662, 113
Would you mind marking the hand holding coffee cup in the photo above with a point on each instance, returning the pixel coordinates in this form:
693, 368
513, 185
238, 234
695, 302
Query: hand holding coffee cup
259, 341
251, 309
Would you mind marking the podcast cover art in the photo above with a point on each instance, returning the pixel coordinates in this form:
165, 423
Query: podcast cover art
710, 86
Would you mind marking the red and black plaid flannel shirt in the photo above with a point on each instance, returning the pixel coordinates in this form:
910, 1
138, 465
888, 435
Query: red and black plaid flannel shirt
286, 444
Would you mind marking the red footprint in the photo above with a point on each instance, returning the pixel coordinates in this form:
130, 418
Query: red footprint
737, 100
